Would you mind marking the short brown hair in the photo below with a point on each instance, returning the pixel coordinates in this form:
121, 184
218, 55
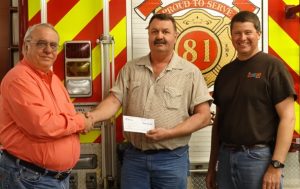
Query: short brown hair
246, 16
163, 17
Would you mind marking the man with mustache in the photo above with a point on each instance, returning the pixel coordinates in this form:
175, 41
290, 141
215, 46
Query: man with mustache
39, 128
172, 91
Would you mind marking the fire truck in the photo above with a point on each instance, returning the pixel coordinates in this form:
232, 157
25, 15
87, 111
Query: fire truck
97, 37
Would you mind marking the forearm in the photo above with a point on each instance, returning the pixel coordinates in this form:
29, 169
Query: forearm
215, 145
283, 140
286, 112
197, 121
106, 109
192, 124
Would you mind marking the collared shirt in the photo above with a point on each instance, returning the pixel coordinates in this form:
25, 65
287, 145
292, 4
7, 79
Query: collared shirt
38, 122
169, 99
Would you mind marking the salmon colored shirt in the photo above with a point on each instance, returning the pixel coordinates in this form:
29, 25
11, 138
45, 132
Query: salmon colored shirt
38, 122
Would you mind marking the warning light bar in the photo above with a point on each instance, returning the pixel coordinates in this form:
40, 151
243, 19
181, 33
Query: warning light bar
78, 68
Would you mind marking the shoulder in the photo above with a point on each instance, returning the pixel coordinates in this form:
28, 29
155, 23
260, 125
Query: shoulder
272, 63
184, 64
228, 67
137, 62
17, 80
136, 65
18, 72
269, 58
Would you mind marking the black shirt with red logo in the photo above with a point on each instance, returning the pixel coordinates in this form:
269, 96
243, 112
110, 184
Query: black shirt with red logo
246, 93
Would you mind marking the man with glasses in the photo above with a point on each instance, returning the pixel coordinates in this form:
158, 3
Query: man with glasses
39, 126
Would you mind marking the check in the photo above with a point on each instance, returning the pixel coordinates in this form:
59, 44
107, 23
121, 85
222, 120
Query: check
137, 124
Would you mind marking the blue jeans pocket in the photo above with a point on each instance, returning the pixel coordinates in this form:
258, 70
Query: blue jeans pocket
260, 153
179, 152
28, 177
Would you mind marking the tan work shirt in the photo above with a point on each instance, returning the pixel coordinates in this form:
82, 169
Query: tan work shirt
169, 99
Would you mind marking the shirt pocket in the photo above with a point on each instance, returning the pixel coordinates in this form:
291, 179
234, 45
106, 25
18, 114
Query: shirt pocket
172, 97
133, 86
134, 89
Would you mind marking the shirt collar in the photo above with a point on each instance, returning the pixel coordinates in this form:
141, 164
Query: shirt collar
40, 73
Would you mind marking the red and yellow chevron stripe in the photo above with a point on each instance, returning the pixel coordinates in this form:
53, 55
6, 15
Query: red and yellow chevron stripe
284, 41
83, 20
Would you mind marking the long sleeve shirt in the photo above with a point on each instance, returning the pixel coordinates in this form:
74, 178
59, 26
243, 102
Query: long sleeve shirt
38, 122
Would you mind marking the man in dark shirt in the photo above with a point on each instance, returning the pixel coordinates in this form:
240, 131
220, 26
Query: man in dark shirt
255, 117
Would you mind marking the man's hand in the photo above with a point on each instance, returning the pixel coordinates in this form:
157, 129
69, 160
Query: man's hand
88, 122
158, 134
272, 178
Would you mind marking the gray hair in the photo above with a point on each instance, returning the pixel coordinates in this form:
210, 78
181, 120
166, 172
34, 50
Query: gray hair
28, 36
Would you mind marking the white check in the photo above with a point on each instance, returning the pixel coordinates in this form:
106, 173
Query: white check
137, 124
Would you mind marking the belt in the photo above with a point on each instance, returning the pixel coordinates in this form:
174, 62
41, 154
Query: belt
236, 147
55, 174
151, 151
155, 151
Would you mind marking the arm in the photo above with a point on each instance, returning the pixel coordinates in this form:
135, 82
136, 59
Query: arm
25, 101
215, 144
200, 119
106, 109
286, 113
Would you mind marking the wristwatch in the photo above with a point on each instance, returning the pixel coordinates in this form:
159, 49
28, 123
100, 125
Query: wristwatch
277, 164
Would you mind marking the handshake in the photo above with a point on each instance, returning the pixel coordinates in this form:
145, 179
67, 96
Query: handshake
88, 122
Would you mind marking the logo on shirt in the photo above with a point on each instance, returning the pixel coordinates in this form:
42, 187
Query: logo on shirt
254, 75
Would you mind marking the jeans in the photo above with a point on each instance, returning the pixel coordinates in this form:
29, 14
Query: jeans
158, 170
15, 176
242, 169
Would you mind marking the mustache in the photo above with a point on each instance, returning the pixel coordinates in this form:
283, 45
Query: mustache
159, 41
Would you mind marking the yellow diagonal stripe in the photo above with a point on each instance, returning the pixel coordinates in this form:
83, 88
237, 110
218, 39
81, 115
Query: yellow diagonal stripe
34, 6
77, 18
291, 2
90, 137
120, 43
96, 61
119, 34
284, 45
297, 123
119, 112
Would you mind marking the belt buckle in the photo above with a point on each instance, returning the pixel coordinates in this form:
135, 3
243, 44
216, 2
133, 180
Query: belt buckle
58, 176
62, 175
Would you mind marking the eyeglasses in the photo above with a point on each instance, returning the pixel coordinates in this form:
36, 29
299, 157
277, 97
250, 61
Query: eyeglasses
42, 44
